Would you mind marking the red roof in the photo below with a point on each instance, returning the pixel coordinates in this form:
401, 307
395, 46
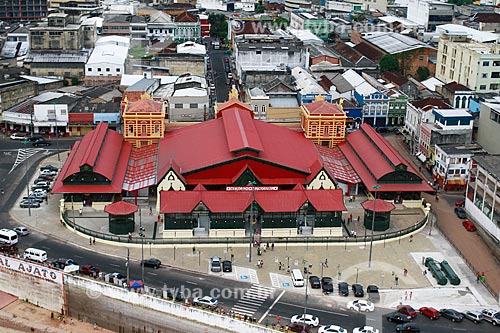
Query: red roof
337, 165
186, 17
120, 208
372, 157
323, 108
239, 201
144, 105
381, 206
215, 147
105, 152
435, 102
141, 168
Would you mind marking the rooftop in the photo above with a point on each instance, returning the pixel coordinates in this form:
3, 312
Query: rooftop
393, 43
476, 35
489, 162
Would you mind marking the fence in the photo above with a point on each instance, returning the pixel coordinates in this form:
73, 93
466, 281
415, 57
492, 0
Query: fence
242, 240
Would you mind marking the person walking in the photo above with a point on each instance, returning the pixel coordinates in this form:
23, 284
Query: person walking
272, 246
90, 241
326, 262
93, 241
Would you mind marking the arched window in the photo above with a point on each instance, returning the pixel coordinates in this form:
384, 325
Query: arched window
464, 102
457, 102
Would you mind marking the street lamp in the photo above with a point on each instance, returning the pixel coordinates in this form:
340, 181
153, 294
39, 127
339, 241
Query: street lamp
376, 188
57, 132
252, 183
27, 183
142, 235
308, 271
357, 274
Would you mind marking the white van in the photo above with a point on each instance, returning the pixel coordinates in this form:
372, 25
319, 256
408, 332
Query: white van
297, 278
35, 255
8, 237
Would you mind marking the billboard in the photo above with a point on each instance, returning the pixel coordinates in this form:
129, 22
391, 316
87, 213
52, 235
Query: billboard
29, 268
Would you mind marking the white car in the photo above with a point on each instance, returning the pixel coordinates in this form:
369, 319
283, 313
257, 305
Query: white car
205, 301
21, 231
18, 136
47, 172
365, 329
307, 319
361, 305
332, 329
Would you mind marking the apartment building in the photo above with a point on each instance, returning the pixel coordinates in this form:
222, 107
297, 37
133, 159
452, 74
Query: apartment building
465, 61
56, 35
23, 10
429, 13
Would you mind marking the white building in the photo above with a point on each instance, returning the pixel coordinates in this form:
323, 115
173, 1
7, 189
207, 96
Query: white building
108, 58
245, 5
430, 13
191, 48
452, 165
473, 64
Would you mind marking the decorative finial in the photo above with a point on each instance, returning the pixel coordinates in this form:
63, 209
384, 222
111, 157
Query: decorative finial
233, 94
341, 104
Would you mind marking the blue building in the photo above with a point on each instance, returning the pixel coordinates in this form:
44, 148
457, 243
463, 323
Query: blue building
375, 108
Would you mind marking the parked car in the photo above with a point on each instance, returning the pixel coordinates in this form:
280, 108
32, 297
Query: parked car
407, 310
19, 136
33, 197
299, 328
451, 314
343, 289
29, 204
21, 231
408, 327
357, 290
398, 317
492, 316
215, 264
475, 316
460, 203
227, 266
49, 167
176, 295
206, 301
373, 294
89, 270
47, 172
46, 177
315, 282
39, 180
460, 212
151, 262
331, 329
305, 318
469, 225
361, 305
62, 262
41, 143
327, 284
35, 137
365, 329
430, 312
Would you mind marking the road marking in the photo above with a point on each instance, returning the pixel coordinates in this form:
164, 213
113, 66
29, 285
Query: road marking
192, 283
77, 256
24, 154
114, 265
272, 305
152, 273
315, 309
370, 319
459, 329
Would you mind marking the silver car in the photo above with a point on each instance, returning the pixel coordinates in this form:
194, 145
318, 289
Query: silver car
473, 315
215, 264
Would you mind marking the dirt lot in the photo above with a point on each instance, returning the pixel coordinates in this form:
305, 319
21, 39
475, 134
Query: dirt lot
20, 316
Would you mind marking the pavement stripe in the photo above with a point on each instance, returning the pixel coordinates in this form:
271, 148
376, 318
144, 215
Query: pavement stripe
250, 302
272, 305
243, 310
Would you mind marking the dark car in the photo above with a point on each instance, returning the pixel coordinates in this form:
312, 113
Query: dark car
343, 289
62, 262
299, 328
357, 289
41, 143
327, 284
451, 314
408, 327
227, 266
49, 167
315, 282
460, 212
373, 294
407, 310
89, 270
151, 262
46, 177
176, 295
398, 317
35, 137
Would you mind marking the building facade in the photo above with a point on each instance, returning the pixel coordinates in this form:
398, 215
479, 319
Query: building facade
430, 13
23, 10
488, 134
144, 122
56, 35
452, 166
323, 123
375, 109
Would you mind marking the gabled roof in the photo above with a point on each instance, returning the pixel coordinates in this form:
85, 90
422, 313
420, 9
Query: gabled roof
431, 102
269, 86
372, 157
348, 52
240, 132
337, 165
454, 86
486, 17
141, 168
369, 51
186, 17
253, 28
322, 107
395, 77
144, 105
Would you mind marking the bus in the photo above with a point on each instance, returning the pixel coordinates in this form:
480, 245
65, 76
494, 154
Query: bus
8, 237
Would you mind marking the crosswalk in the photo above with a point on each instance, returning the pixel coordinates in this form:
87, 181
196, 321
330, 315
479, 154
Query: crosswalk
253, 298
23, 154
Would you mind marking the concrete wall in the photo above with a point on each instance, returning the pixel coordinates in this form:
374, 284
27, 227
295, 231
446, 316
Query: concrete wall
125, 311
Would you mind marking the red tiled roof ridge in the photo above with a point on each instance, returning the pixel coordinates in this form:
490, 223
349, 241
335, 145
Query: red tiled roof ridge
394, 157
322, 107
91, 151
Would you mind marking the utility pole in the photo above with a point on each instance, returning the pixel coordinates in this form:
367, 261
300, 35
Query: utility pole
252, 183
142, 235
128, 265
376, 188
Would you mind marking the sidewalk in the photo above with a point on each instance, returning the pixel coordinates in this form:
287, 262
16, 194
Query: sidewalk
346, 262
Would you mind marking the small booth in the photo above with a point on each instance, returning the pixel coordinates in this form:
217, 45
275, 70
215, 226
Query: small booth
382, 210
121, 217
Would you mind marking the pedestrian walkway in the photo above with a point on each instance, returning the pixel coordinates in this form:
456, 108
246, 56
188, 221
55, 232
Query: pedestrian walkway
252, 300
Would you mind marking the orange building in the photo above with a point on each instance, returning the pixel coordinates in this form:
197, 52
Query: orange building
143, 122
323, 123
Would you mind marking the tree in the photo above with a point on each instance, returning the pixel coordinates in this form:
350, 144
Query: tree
389, 62
259, 9
218, 25
74, 81
423, 73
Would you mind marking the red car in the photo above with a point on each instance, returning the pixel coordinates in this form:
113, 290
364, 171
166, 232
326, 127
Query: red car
460, 203
430, 312
469, 226
407, 310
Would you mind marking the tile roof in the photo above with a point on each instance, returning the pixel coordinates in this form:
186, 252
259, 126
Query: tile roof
141, 168
369, 51
337, 165
253, 28
434, 102
395, 77
120, 208
348, 52
381, 206
186, 17
144, 105
486, 17
322, 107
454, 86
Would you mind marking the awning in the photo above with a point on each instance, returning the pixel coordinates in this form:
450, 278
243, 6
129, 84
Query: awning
421, 157
456, 182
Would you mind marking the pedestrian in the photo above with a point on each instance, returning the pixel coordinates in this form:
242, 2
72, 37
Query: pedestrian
350, 198
478, 277
261, 263
405, 272
93, 241
326, 262
425, 272
350, 216
272, 246
129, 236
353, 198
267, 322
90, 241
232, 257
482, 278
411, 295
355, 235
80, 211
406, 295
423, 260
396, 280
95, 325
278, 318
348, 221
150, 211
358, 218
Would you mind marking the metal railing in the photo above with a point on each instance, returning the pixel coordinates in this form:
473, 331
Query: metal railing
242, 240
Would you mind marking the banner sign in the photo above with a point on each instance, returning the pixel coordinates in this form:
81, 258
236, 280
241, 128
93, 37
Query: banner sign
251, 188
32, 269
